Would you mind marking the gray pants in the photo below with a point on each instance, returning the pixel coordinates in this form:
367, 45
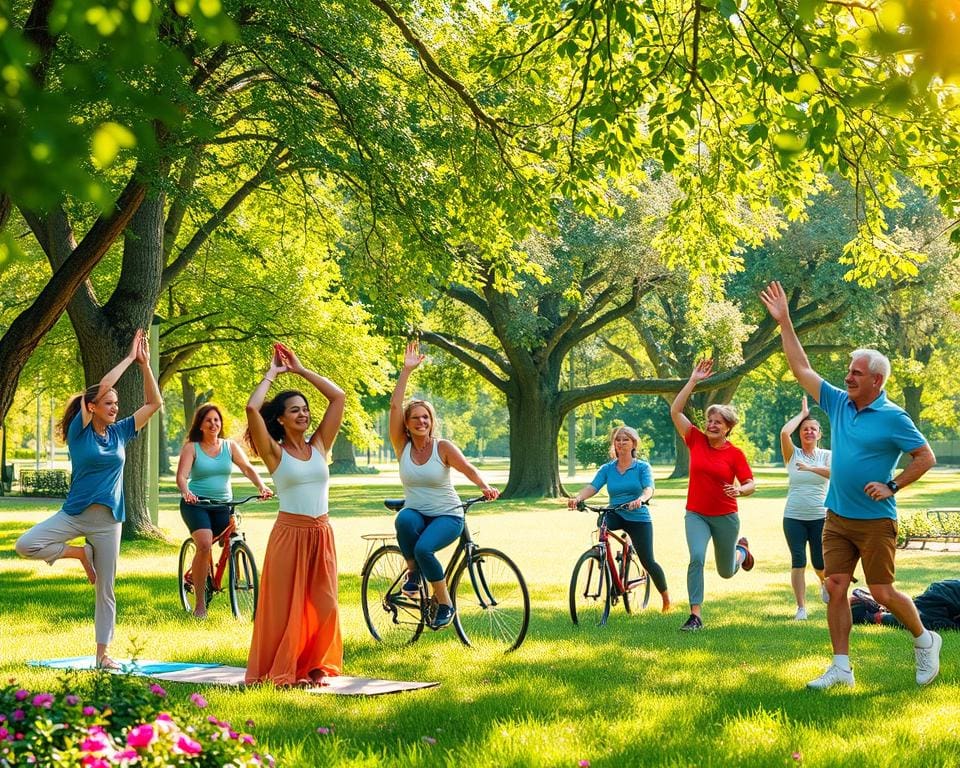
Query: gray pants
47, 541
725, 530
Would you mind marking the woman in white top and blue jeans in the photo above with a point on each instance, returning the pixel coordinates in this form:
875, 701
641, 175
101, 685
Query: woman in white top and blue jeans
432, 517
808, 470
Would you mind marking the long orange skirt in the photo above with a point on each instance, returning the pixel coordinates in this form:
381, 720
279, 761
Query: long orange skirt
296, 630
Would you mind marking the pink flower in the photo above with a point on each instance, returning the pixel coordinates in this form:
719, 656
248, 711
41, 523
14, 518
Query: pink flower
71, 700
18, 714
158, 690
4, 733
42, 700
3, 718
323, 730
187, 746
429, 740
246, 738
91, 761
797, 756
126, 754
21, 694
584, 764
198, 700
164, 716
89, 711
234, 735
250, 723
140, 736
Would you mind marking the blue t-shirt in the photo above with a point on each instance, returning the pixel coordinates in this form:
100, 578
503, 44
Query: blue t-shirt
98, 465
866, 447
626, 487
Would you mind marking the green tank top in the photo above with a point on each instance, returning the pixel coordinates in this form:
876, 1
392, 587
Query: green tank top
210, 477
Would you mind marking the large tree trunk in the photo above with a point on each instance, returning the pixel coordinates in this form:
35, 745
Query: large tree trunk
104, 336
911, 402
681, 462
535, 421
344, 458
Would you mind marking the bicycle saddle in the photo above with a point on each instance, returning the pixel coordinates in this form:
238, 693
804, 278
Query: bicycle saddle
394, 504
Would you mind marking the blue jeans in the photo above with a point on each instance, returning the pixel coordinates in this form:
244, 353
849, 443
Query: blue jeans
641, 534
420, 537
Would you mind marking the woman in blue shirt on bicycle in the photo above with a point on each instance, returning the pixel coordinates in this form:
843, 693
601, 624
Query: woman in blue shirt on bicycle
629, 482
432, 517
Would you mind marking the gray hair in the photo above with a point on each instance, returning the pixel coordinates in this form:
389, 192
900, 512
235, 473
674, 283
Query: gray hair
726, 412
629, 432
877, 362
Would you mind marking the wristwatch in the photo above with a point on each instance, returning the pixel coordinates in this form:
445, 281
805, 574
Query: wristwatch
892, 485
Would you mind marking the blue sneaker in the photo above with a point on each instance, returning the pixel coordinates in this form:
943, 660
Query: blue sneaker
411, 587
445, 614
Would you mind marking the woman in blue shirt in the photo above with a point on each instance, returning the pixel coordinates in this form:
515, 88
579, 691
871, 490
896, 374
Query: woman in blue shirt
203, 472
629, 481
94, 505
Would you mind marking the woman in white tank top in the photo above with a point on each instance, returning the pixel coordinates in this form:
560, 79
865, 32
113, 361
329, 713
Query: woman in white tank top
808, 472
296, 630
432, 517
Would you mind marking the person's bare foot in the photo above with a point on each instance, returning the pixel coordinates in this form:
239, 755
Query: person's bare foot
105, 662
667, 605
200, 614
86, 560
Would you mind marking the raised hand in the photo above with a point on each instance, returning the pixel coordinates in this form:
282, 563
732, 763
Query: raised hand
411, 356
289, 358
804, 408
143, 349
278, 364
774, 298
135, 344
702, 370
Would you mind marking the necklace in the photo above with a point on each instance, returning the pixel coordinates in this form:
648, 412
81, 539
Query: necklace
810, 457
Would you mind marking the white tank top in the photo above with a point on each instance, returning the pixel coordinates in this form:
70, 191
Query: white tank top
427, 487
807, 490
302, 485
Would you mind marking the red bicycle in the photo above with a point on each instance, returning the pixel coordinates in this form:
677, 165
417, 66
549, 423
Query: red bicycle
603, 576
236, 559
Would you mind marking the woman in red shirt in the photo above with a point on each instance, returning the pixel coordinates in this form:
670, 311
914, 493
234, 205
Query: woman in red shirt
715, 463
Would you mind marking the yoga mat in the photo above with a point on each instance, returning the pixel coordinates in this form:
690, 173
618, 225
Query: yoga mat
220, 674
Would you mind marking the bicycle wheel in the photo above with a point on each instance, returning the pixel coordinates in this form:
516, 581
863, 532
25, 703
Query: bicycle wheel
391, 616
491, 601
185, 584
590, 590
244, 581
637, 581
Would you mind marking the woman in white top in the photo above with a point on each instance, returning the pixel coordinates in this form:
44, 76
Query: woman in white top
296, 630
808, 471
432, 517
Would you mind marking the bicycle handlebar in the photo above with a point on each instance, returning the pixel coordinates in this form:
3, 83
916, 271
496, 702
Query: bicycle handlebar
582, 506
212, 503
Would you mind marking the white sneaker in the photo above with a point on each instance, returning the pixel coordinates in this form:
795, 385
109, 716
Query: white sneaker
833, 676
801, 614
928, 660
824, 595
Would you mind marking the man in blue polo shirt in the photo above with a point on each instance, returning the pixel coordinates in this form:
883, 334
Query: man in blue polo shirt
868, 434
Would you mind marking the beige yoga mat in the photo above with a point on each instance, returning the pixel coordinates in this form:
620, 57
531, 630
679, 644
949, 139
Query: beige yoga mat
219, 674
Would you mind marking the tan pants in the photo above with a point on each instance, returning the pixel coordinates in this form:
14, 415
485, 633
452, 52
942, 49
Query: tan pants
47, 540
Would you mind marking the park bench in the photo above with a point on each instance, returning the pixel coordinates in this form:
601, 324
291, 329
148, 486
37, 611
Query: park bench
943, 528
44, 482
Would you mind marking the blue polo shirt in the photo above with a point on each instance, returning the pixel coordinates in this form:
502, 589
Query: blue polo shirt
866, 446
97, 464
626, 487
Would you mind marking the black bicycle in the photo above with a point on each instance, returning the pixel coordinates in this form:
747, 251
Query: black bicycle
601, 576
488, 591
236, 559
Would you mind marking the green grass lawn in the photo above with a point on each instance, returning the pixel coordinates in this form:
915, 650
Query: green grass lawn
637, 692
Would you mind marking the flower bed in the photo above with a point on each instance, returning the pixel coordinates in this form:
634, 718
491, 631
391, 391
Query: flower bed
108, 720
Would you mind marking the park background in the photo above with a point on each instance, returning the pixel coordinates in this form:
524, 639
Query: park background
569, 204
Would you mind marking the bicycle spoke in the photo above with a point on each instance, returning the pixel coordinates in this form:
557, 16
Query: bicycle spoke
391, 616
491, 599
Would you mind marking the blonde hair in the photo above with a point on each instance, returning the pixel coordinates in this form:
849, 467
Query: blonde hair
629, 432
726, 412
413, 404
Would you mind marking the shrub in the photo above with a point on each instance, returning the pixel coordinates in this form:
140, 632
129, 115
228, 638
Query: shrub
114, 720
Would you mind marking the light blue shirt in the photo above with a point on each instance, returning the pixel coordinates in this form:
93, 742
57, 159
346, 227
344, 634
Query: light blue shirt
210, 476
97, 465
626, 487
866, 446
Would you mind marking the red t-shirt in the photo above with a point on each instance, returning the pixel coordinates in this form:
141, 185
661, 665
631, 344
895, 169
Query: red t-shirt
710, 470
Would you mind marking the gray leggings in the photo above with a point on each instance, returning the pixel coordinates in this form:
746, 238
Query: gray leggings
724, 530
47, 541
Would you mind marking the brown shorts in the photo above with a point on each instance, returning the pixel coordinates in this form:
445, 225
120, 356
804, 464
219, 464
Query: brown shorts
845, 541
